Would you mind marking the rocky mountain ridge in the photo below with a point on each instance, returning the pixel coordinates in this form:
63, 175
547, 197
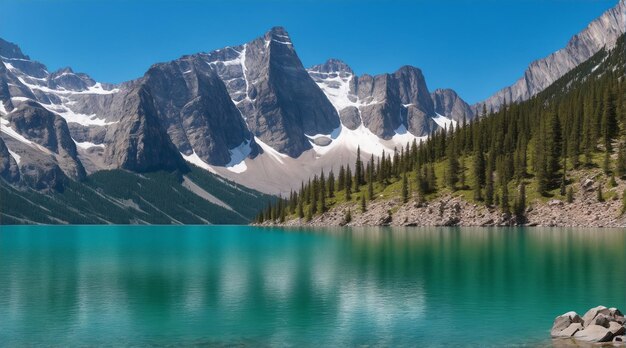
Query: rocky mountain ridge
603, 32
251, 113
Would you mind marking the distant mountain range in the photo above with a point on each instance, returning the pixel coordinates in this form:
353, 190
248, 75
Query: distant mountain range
252, 113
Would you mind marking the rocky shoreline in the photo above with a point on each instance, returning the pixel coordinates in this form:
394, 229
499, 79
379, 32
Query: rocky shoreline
598, 325
454, 210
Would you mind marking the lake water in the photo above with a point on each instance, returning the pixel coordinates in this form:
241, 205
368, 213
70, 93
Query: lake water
246, 286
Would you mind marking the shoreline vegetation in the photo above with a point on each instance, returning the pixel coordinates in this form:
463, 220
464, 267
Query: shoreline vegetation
558, 159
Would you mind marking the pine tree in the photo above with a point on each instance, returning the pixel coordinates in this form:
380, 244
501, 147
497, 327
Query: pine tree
609, 120
600, 196
370, 188
331, 184
520, 203
620, 166
309, 213
489, 190
554, 146
300, 208
570, 195
612, 181
363, 204
358, 170
405, 188
504, 203
453, 167
348, 217
348, 184
606, 163
462, 178
341, 180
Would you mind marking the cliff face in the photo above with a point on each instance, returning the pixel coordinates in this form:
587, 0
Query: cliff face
602, 32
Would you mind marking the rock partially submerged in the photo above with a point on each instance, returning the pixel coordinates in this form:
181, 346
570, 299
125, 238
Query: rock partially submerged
599, 324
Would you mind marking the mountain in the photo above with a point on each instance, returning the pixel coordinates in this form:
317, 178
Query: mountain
558, 159
276, 96
249, 113
448, 102
602, 32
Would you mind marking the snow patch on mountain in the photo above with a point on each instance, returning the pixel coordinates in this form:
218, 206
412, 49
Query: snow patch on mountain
238, 155
197, 161
444, 122
3, 110
70, 116
87, 145
15, 156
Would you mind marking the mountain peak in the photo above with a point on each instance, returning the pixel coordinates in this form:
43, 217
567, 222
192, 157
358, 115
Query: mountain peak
278, 34
11, 50
332, 65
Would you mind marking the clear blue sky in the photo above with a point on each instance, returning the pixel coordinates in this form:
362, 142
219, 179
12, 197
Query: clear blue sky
474, 47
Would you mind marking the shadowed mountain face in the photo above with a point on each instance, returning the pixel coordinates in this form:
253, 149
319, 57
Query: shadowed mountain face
447, 102
278, 99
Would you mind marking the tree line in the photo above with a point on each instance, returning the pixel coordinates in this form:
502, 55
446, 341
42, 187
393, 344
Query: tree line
577, 123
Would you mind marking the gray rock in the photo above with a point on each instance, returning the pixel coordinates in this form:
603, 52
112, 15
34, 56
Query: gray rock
616, 328
199, 116
43, 127
569, 331
587, 184
9, 170
601, 320
592, 313
448, 103
138, 142
275, 94
322, 141
564, 321
350, 117
594, 333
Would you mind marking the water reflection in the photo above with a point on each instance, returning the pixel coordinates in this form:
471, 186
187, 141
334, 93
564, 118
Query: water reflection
381, 286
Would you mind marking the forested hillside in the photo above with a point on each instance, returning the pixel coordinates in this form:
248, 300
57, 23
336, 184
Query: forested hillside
122, 197
533, 151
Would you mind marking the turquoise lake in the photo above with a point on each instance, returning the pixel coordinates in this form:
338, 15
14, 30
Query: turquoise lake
248, 286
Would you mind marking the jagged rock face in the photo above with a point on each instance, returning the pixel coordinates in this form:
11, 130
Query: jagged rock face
275, 94
138, 142
195, 108
43, 127
9, 170
602, 32
384, 103
350, 117
66, 78
447, 102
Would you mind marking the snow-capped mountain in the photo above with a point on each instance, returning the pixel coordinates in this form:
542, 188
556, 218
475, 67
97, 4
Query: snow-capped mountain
251, 113
600, 33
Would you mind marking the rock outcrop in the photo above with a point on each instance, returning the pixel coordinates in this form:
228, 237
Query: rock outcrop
195, 108
138, 142
278, 99
448, 103
9, 170
598, 324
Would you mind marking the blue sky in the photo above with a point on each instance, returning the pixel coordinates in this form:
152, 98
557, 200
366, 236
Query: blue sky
474, 47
